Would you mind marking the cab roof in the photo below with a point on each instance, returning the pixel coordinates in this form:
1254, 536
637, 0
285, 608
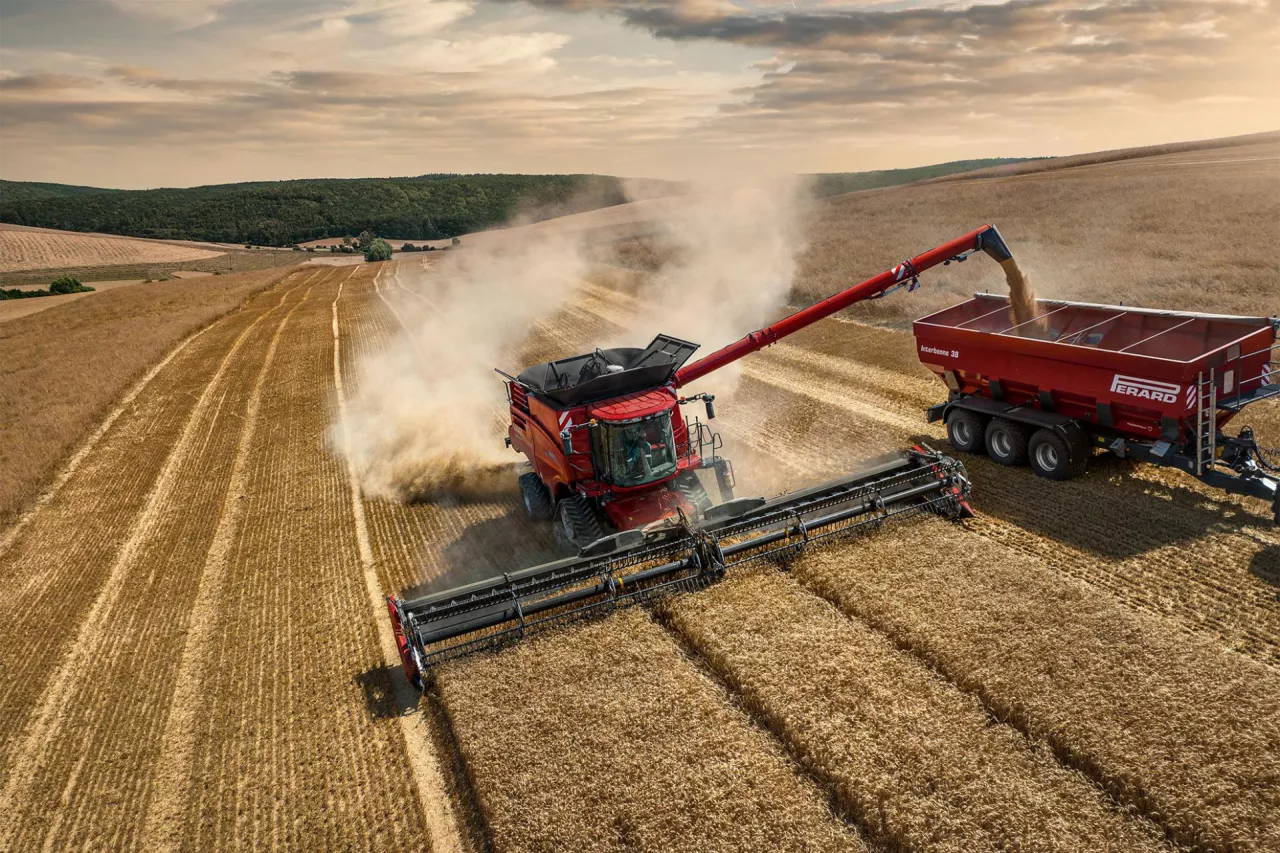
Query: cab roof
641, 404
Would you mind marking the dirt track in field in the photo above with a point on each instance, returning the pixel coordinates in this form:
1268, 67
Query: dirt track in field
197, 656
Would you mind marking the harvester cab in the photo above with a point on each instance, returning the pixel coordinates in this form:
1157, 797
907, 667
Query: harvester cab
615, 453
608, 444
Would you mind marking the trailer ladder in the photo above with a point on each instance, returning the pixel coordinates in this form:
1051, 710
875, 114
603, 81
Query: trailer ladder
1206, 422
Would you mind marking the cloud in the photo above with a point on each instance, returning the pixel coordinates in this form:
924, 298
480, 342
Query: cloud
1019, 54
183, 13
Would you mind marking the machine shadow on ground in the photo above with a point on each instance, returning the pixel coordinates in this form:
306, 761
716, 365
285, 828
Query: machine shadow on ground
379, 695
1265, 566
504, 544
1140, 516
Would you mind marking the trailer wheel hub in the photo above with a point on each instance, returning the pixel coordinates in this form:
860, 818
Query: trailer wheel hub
1047, 456
1001, 442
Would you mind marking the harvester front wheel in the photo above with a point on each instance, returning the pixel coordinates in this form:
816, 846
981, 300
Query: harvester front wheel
536, 497
691, 488
577, 524
1006, 442
965, 430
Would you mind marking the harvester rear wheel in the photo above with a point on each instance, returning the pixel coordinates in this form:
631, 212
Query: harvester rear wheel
1007, 442
965, 430
536, 497
577, 524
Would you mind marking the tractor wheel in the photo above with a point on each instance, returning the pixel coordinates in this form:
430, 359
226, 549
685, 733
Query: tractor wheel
691, 488
577, 524
1007, 442
536, 498
1050, 456
965, 431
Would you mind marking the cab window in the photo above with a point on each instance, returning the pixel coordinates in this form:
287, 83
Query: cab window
638, 452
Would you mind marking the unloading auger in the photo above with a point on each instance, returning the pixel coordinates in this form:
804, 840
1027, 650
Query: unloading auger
613, 468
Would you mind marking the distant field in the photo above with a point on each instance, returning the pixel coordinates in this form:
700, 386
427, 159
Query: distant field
30, 249
47, 253
111, 337
1192, 229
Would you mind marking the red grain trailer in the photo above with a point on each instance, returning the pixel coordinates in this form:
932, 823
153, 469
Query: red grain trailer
1159, 386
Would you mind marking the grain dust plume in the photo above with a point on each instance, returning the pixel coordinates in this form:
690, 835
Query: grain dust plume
426, 420
733, 260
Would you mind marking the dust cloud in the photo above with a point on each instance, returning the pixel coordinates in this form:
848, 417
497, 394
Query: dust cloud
734, 254
428, 414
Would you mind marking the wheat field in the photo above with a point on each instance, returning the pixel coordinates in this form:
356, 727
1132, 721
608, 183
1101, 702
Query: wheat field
197, 654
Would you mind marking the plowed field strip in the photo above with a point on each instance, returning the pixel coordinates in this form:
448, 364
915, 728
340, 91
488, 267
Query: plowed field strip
916, 761
603, 737
106, 744
1174, 725
296, 745
38, 671
429, 784
73, 464
163, 826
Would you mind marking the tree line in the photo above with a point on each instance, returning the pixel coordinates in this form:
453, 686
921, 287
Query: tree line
279, 213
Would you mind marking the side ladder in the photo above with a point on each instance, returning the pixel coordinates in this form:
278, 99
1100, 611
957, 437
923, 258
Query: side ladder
1206, 422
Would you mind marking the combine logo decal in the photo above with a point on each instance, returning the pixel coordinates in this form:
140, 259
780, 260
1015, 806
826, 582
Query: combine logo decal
1147, 389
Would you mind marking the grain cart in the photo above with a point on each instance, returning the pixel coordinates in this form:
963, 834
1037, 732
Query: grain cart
613, 468
1158, 386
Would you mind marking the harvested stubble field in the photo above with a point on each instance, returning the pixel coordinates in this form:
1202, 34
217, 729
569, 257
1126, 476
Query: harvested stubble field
198, 657
33, 249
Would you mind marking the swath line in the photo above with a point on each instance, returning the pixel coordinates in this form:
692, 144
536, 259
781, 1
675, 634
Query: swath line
163, 827
29, 755
442, 824
52, 490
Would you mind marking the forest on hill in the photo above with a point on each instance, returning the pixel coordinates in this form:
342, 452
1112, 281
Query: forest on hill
277, 213
428, 207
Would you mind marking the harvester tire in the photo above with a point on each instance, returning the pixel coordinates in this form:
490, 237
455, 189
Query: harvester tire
966, 431
691, 488
536, 497
577, 524
1006, 442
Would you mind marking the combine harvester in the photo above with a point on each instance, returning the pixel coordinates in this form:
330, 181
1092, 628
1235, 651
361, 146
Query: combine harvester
613, 469
1157, 386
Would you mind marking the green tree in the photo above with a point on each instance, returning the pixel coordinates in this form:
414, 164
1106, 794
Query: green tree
378, 250
66, 284
365, 240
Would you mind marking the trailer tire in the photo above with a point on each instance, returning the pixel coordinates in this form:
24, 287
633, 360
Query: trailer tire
1050, 457
966, 430
536, 497
1006, 442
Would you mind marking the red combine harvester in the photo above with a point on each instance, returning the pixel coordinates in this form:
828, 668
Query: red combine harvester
1158, 386
614, 464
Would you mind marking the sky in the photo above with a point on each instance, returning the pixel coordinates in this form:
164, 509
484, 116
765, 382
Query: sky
145, 93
